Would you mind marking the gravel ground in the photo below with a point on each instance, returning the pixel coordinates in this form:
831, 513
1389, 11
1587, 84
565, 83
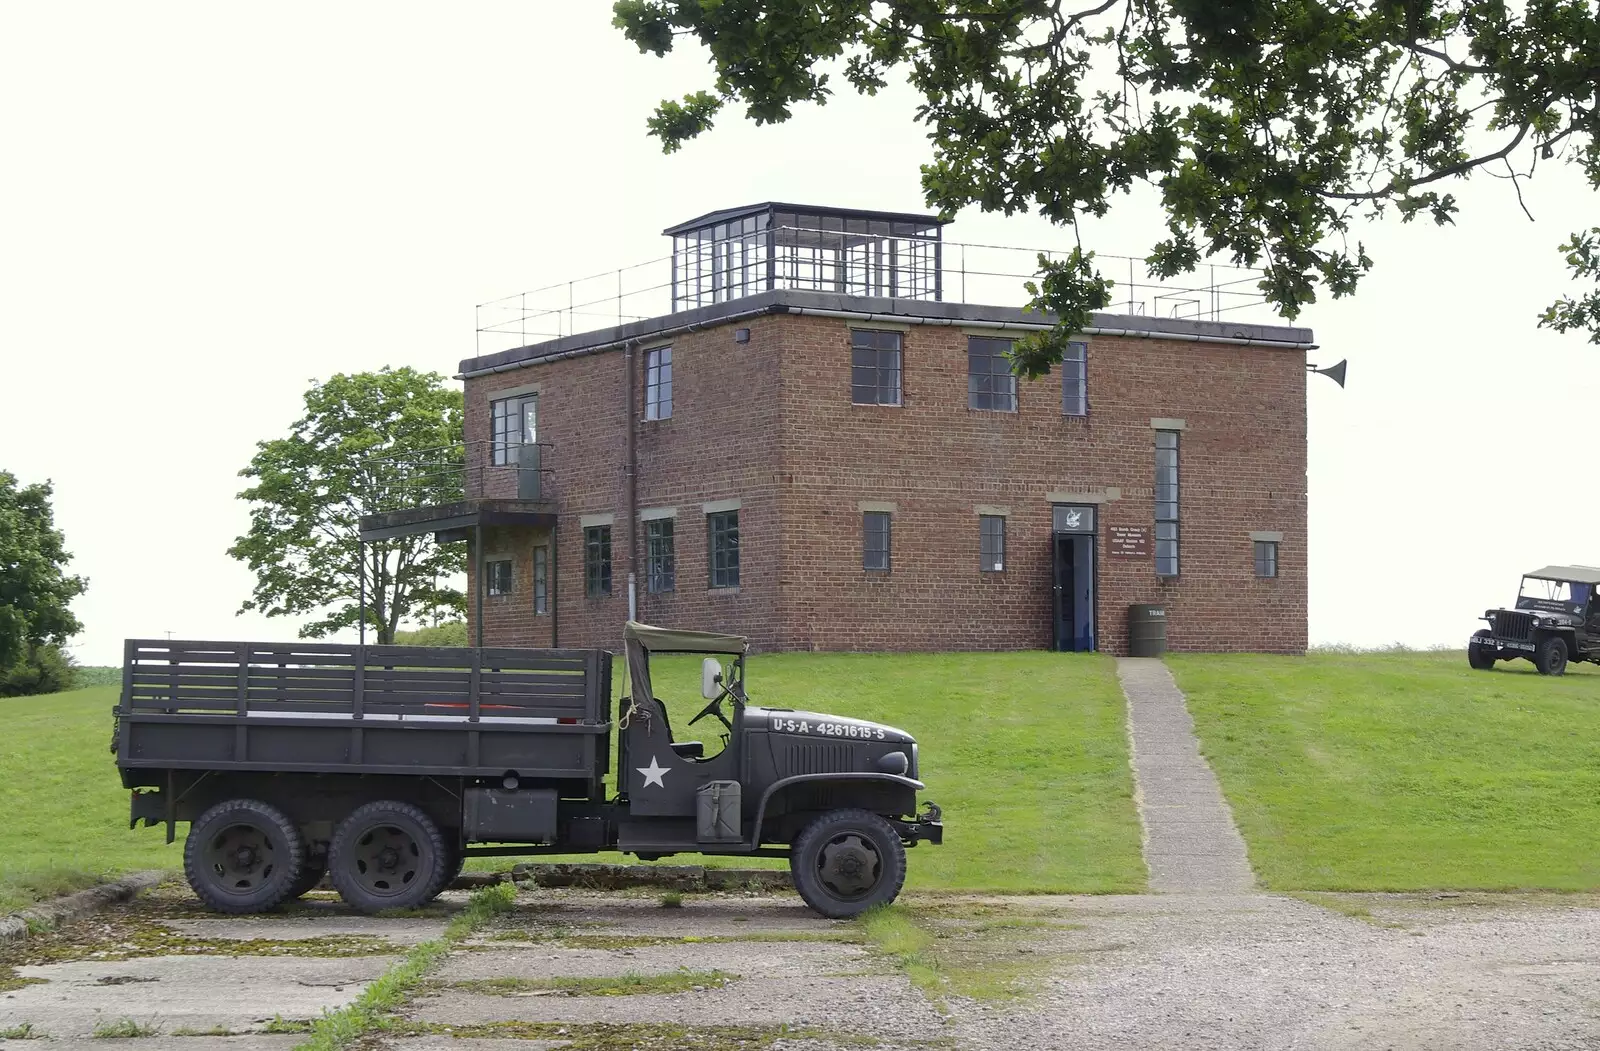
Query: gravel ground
1152, 971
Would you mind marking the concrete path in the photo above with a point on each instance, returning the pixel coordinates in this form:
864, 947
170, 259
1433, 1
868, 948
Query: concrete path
1190, 842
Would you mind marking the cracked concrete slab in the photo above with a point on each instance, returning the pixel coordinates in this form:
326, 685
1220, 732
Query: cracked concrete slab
238, 993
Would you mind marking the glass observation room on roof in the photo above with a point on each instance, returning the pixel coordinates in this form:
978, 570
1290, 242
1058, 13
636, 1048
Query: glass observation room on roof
763, 247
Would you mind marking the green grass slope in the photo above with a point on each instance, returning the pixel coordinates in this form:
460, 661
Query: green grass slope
1404, 771
1025, 751
63, 812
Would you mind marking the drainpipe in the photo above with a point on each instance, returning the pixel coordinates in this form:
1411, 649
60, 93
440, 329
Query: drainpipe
629, 363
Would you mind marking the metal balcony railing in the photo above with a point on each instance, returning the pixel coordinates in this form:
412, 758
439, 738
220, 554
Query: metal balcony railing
475, 470
992, 275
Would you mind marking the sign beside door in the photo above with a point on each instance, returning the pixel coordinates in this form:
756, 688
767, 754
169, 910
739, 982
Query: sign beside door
1128, 541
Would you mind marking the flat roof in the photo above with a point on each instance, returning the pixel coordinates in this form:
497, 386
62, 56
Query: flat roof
724, 214
911, 311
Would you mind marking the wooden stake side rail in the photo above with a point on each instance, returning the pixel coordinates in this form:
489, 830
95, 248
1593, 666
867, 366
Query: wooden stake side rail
322, 680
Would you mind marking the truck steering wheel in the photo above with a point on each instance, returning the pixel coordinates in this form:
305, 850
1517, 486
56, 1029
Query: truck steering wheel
714, 708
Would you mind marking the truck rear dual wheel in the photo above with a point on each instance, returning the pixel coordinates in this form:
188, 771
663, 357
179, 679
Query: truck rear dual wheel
388, 855
847, 861
244, 856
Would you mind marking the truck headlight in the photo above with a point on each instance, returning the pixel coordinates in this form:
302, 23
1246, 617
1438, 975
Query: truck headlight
894, 763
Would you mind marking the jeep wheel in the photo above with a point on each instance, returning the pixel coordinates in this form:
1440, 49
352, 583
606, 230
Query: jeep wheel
387, 855
243, 856
1551, 656
1481, 651
847, 861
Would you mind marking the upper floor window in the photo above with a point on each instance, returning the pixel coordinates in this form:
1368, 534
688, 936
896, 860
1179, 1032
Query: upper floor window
658, 384
498, 574
990, 382
597, 561
1166, 503
722, 543
874, 367
992, 543
661, 564
513, 422
1075, 380
875, 541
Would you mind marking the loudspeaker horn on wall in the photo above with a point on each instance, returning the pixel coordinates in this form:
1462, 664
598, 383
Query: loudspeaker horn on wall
1333, 372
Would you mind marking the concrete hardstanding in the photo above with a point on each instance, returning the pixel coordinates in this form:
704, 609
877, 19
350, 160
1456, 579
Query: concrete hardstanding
769, 423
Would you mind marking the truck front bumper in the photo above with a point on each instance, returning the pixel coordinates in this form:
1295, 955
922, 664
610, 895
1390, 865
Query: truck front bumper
926, 826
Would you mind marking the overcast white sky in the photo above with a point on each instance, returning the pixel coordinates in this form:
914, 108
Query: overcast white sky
203, 207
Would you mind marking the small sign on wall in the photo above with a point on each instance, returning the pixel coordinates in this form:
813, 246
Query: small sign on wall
1128, 541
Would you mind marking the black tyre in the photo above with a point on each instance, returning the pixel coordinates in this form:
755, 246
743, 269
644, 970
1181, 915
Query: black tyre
311, 874
453, 862
1551, 656
386, 855
1481, 651
847, 861
243, 856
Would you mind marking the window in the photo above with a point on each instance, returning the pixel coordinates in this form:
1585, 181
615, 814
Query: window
1075, 380
498, 573
597, 561
658, 384
722, 542
874, 367
990, 382
1266, 558
661, 570
541, 580
991, 543
875, 541
513, 422
1166, 503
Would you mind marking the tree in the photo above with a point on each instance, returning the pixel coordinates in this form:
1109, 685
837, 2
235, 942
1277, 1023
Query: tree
368, 442
35, 591
1266, 126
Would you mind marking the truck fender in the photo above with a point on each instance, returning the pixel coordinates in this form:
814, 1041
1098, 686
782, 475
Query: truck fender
864, 775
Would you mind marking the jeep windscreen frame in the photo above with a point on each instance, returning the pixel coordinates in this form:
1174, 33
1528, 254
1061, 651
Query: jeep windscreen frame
1550, 595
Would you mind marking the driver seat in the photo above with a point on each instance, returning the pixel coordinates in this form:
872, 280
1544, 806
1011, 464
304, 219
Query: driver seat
683, 749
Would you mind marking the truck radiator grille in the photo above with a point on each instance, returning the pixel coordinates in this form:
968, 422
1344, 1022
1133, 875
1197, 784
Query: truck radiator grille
1517, 626
816, 757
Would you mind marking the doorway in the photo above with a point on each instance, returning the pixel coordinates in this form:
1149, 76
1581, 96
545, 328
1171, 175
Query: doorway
1072, 568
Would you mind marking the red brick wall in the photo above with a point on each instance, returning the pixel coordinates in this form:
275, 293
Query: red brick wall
770, 423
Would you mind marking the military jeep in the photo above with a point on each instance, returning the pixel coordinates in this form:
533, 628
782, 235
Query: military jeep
1556, 620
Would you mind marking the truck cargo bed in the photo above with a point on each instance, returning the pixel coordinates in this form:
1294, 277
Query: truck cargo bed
325, 708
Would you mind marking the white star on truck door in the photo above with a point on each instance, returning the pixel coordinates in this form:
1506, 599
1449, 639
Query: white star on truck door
653, 773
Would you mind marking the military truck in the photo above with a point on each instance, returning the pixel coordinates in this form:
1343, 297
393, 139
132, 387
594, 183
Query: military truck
386, 767
1556, 620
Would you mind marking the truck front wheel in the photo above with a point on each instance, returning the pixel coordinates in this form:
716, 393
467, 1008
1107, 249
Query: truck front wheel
847, 861
243, 856
387, 855
1481, 651
1551, 656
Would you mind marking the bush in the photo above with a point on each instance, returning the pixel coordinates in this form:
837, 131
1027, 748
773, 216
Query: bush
450, 633
46, 669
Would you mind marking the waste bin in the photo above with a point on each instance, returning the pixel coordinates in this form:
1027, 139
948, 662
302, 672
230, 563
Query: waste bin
1147, 630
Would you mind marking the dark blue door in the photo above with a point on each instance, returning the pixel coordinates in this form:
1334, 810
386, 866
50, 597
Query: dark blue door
1072, 566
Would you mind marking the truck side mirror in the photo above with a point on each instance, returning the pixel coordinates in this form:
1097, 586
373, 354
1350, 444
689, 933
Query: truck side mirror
710, 679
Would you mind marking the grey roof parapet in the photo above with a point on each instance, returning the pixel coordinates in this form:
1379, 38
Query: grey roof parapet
911, 311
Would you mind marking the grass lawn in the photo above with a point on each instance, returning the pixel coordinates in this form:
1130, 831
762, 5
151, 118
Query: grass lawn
1404, 771
65, 812
1025, 751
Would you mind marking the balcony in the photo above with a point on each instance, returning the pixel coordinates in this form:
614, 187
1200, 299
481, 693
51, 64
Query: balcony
452, 490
